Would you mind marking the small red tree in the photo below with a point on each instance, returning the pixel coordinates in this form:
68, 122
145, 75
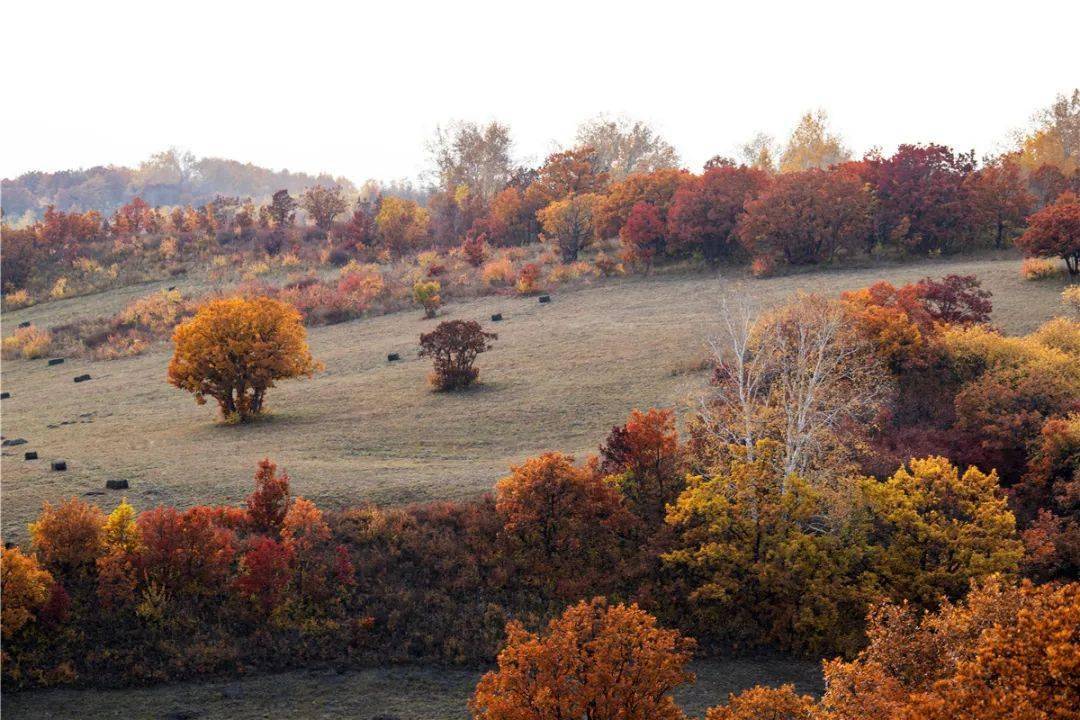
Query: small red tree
453, 347
956, 299
265, 573
269, 503
645, 453
1054, 231
474, 248
360, 228
186, 553
643, 233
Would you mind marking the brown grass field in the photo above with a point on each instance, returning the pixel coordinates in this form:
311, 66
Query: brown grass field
409, 693
365, 430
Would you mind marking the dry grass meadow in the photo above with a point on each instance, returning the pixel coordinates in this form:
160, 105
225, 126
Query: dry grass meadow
408, 693
367, 430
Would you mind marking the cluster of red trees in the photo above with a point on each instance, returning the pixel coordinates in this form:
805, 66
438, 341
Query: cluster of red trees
922, 199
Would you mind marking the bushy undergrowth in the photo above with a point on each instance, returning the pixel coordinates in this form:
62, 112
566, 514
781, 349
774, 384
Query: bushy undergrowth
765, 537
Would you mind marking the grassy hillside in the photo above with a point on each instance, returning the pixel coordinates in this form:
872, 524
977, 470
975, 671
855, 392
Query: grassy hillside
367, 430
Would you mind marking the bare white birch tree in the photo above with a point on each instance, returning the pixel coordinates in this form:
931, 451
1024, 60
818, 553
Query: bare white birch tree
797, 376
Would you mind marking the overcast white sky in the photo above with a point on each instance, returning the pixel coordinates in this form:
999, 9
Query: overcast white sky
356, 90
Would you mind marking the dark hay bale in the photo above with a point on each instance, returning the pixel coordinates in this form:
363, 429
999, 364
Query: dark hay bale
82, 378
392, 357
59, 465
496, 317
56, 361
24, 324
30, 455
116, 484
4, 395
9, 545
544, 298
12, 442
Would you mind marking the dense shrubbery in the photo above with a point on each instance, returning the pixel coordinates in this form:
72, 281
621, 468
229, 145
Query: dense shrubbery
754, 532
783, 542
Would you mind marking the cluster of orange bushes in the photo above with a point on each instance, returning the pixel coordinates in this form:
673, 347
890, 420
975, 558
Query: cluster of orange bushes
129, 597
1005, 652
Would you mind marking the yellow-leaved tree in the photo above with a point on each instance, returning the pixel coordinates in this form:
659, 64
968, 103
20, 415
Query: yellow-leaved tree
235, 349
935, 529
26, 588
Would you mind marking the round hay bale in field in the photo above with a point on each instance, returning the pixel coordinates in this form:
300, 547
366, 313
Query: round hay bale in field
391, 357
59, 465
4, 395
82, 378
56, 361
544, 298
496, 317
30, 455
118, 484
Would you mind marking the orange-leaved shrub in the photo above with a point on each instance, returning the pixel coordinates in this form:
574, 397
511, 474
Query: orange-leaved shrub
602, 661
563, 524
235, 349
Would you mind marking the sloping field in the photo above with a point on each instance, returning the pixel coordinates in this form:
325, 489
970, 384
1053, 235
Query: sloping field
366, 430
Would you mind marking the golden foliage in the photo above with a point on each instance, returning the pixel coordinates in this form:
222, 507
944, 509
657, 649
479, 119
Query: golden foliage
25, 587
764, 703
499, 272
28, 343
596, 661
935, 530
69, 535
235, 349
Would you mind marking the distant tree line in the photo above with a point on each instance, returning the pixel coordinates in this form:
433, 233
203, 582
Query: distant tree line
167, 178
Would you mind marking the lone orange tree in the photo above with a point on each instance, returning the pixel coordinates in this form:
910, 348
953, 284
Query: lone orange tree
596, 661
234, 350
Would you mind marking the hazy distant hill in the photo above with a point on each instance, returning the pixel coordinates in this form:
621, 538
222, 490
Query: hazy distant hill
167, 178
